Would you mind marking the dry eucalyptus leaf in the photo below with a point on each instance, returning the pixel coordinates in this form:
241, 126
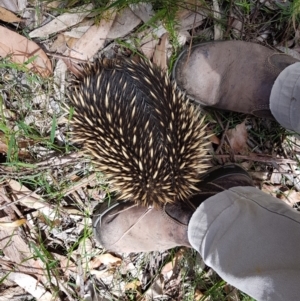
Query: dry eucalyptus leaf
198, 295
214, 139
238, 138
151, 34
3, 143
149, 48
291, 197
9, 4
16, 249
143, 10
21, 50
67, 265
23, 154
62, 22
8, 16
276, 177
218, 31
12, 293
92, 41
31, 285
123, 24
60, 84
78, 31
173, 265
133, 285
149, 40
71, 42
105, 275
156, 289
106, 259
260, 175
237, 26
52, 4
160, 53
31, 200
59, 44
14, 224
188, 19
183, 37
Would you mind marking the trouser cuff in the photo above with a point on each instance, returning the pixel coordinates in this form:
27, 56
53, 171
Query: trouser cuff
285, 98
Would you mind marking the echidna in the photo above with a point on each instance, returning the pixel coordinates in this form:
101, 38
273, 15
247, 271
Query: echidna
144, 134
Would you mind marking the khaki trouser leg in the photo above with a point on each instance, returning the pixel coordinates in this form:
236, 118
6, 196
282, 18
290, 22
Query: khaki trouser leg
285, 98
252, 240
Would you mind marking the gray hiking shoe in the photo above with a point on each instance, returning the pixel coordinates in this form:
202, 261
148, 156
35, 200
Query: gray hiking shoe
230, 75
127, 227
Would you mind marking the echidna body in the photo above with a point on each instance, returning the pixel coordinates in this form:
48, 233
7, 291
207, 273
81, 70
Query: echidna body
144, 134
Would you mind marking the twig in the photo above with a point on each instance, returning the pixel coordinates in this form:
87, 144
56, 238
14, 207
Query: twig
222, 138
191, 40
229, 21
81, 183
9, 202
57, 161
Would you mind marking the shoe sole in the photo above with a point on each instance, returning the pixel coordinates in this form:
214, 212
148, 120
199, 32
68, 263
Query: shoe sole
218, 172
99, 211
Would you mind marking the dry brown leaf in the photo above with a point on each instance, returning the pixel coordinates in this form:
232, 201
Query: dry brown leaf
198, 295
156, 289
103, 274
149, 48
133, 285
52, 4
30, 284
62, 22
71, 42
23, 154
14, 224
78, 31
214, 139
160, 53
10, 293
20, 50
169, 268
106, 259
276, 177
31, 200
59, 45
218, 30
149, 39
16, 249
238, 138
92, 41
188, 19
67, 265
12, 5
111, 262
8, 16
3, 145
291, 197
123, 24
143, 10
271, 189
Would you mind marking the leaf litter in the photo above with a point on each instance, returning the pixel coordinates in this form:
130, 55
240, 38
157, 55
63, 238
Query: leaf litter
48, 190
